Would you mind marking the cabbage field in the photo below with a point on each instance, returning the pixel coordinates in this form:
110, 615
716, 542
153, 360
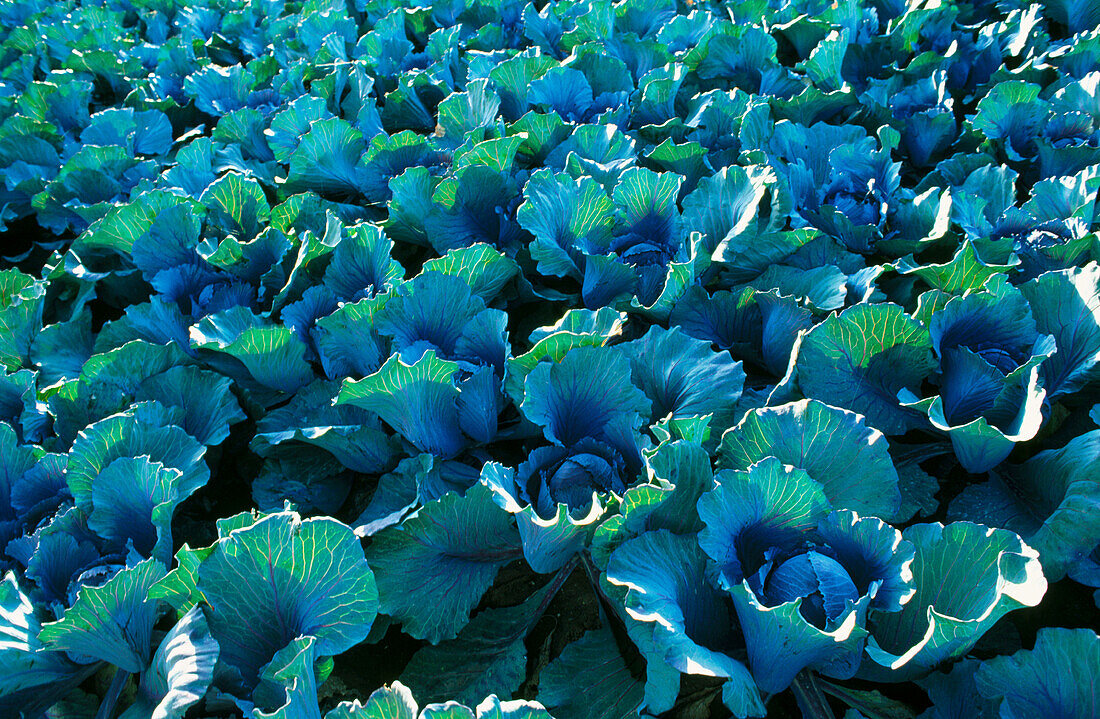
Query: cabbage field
549, 359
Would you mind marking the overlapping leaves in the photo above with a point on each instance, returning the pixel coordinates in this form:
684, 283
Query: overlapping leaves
499, 287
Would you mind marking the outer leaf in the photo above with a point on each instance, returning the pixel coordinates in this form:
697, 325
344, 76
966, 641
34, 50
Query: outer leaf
326, 159
493, 708
418, 400
1077, 16
822, 288
447, 710
350, 434
613, 693
207, 399
1011, 112
487, 656
665, 575
346, 341
684, 377
682, 469
498, 154
15, 461
288, 684
281, 578
392, 701
22, 299
726, 208
59, 553
850, 460
467, 331
32, 679
965, 271
310, 479
554, 346
274, 355
568, 219
127, 435
762, 327
361, 264
237, 204
485, 270
123, 225
586, 394
109, 383
1066, 305
1052, 501
1056, 679
467, 210
181, 671
461, 113
133, 500
967, 577
607, 281
113, 622
861, 358
604, 322
434, 567
782, 643
180, 586
646, 202
954, 695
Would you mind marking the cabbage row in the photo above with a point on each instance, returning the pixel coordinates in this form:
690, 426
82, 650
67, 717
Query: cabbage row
571, 357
